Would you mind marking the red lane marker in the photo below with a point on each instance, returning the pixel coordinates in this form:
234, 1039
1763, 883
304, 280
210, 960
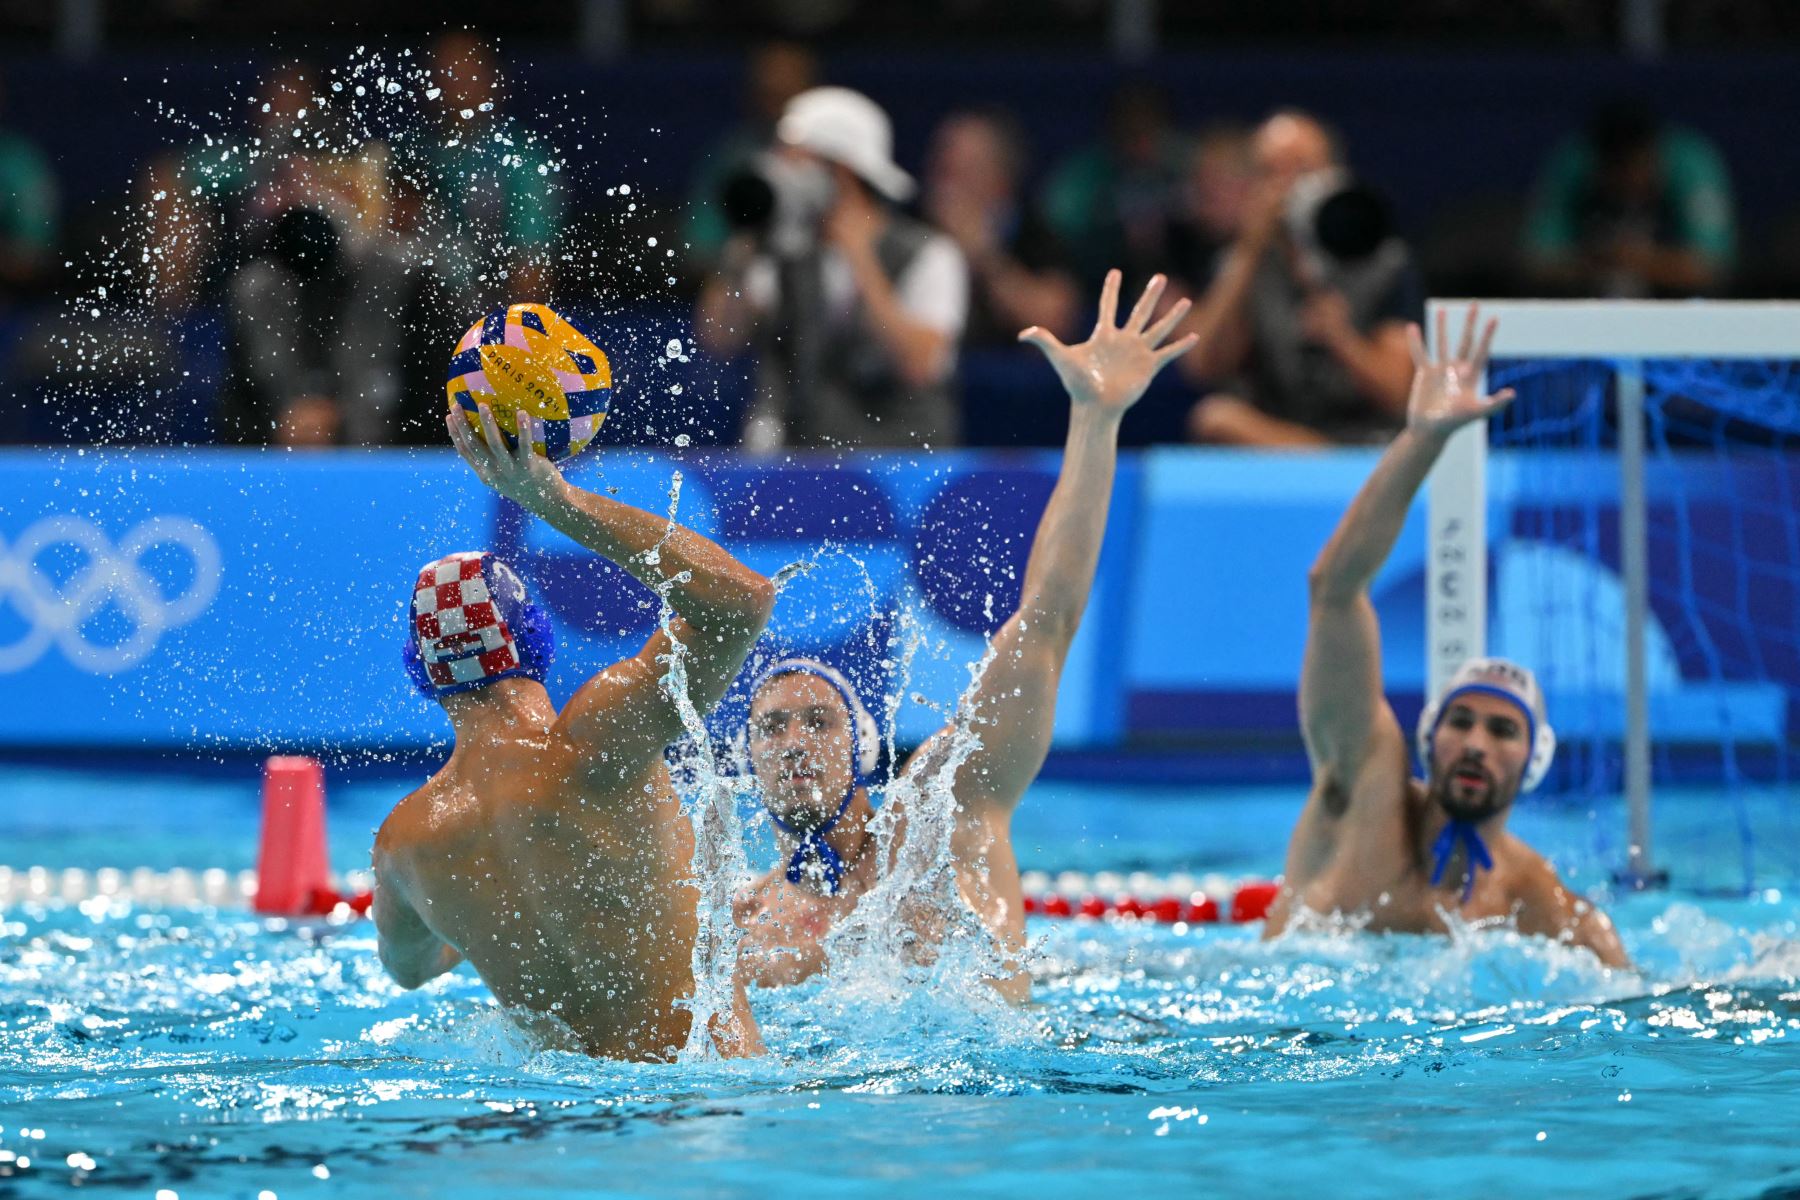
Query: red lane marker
1252, 901
291, 862
1249, 903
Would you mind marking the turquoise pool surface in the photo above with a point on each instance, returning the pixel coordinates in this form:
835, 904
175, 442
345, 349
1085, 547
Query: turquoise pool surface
204, 1053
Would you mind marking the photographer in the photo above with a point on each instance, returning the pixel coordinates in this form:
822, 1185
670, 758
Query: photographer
1304, 326
854, 308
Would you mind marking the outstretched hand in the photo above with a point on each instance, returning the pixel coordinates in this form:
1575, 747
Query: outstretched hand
520, 474
1112, 368
1446, 394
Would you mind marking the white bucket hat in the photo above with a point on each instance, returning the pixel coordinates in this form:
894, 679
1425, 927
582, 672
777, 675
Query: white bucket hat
849, 128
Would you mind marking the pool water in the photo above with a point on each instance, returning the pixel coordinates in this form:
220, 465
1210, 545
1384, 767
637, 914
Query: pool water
207, 1053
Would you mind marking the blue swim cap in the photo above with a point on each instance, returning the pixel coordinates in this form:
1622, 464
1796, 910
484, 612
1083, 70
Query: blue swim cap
865, 754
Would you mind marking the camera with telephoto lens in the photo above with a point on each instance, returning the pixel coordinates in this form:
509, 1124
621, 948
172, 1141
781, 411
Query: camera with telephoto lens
779, 200
1336, 222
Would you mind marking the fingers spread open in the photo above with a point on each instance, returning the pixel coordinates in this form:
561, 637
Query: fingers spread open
491, 429
1415, 342
1441, 342
1140, 312
1487, 343
1109, 302
1164, 327
1499, 400
1176, 349
459, 437
1042, 338
1468, 334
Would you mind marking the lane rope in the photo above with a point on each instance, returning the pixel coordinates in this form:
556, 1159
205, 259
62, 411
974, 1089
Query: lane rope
1137, 895
293, 878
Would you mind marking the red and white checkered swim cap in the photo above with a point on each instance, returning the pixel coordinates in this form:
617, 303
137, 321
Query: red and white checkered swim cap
469, 614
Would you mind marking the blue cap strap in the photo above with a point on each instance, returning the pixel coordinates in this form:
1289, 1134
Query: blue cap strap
813, 847
1469, 837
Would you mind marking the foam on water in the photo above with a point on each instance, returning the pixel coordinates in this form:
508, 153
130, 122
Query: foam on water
167, 1045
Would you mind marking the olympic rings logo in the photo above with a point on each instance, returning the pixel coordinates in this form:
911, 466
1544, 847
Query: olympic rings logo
108, 575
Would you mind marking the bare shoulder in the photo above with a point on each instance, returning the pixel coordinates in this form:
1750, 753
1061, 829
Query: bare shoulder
1534, 881
1549, 907
399, 832
430, 816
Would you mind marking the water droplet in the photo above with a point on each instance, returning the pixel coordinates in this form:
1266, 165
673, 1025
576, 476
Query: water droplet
673, 349
433, 93
624, 189
466, 113
682, 439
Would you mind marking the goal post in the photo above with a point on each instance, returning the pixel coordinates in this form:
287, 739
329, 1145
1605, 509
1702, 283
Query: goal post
1616, 339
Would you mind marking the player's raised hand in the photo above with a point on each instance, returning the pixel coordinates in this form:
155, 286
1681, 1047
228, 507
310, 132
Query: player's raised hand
518, 473
1446, 393
1113, 367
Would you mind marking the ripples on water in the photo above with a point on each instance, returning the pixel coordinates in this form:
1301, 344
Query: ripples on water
208, 1054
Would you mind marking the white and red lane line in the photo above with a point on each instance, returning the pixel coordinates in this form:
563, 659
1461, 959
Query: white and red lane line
1145, 897
1138, 895
178, 888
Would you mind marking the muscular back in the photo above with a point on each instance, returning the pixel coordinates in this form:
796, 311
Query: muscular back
571, 902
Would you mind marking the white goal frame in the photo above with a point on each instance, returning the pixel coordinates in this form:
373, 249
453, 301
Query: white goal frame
1626, 332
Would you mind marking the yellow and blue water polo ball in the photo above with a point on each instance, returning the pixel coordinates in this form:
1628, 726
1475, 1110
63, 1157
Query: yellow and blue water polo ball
527, 357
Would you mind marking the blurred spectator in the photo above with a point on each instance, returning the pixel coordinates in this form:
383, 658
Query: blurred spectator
492, 209
436, 303
855, 308
1632, 208
972, 191
213, 202
1304, 325
776, 72
315, 336
1215, 200
1111, 204
27, 216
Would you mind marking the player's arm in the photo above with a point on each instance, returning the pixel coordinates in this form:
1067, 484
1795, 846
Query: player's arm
1012, 704
1343, 714
412, 954
720, 605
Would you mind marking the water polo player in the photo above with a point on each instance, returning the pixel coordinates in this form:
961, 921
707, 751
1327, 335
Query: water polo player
550, 851
1373, 841
812, 741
